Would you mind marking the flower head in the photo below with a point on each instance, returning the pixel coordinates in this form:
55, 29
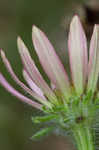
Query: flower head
84, 73
71, 104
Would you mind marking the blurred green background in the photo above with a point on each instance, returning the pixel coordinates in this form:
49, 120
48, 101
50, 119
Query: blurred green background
17, 18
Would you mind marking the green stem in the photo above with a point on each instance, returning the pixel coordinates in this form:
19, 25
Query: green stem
84, 137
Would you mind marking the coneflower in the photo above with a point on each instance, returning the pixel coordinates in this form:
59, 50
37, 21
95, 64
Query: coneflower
71, 104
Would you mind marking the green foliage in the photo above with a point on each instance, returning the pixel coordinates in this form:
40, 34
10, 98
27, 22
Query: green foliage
80, 111
43, 119
42, 133
96, 129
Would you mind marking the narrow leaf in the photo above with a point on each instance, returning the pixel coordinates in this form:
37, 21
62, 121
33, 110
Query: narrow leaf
42, 133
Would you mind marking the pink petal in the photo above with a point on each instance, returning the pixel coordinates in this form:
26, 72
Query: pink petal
33, 71
10, 70
9, 88
50, 61
32, 85
78, 54
53, 86
93, 68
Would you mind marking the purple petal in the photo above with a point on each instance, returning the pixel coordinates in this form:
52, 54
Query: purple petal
78, 54
32, 85
9, 88
93, 68
29, 65
10, 70
50, 61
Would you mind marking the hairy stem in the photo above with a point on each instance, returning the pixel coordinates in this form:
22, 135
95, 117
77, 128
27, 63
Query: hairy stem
84, 137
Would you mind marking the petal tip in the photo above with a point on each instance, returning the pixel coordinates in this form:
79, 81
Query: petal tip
75, 20
96, 27
20, 43
19, 39
35, 29
2, 53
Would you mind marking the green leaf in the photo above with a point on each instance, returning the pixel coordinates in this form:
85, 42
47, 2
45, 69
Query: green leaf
88, 97
61, 108
42, 133
42, 119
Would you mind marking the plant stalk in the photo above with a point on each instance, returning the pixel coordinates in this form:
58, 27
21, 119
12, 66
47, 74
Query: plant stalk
83, 136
